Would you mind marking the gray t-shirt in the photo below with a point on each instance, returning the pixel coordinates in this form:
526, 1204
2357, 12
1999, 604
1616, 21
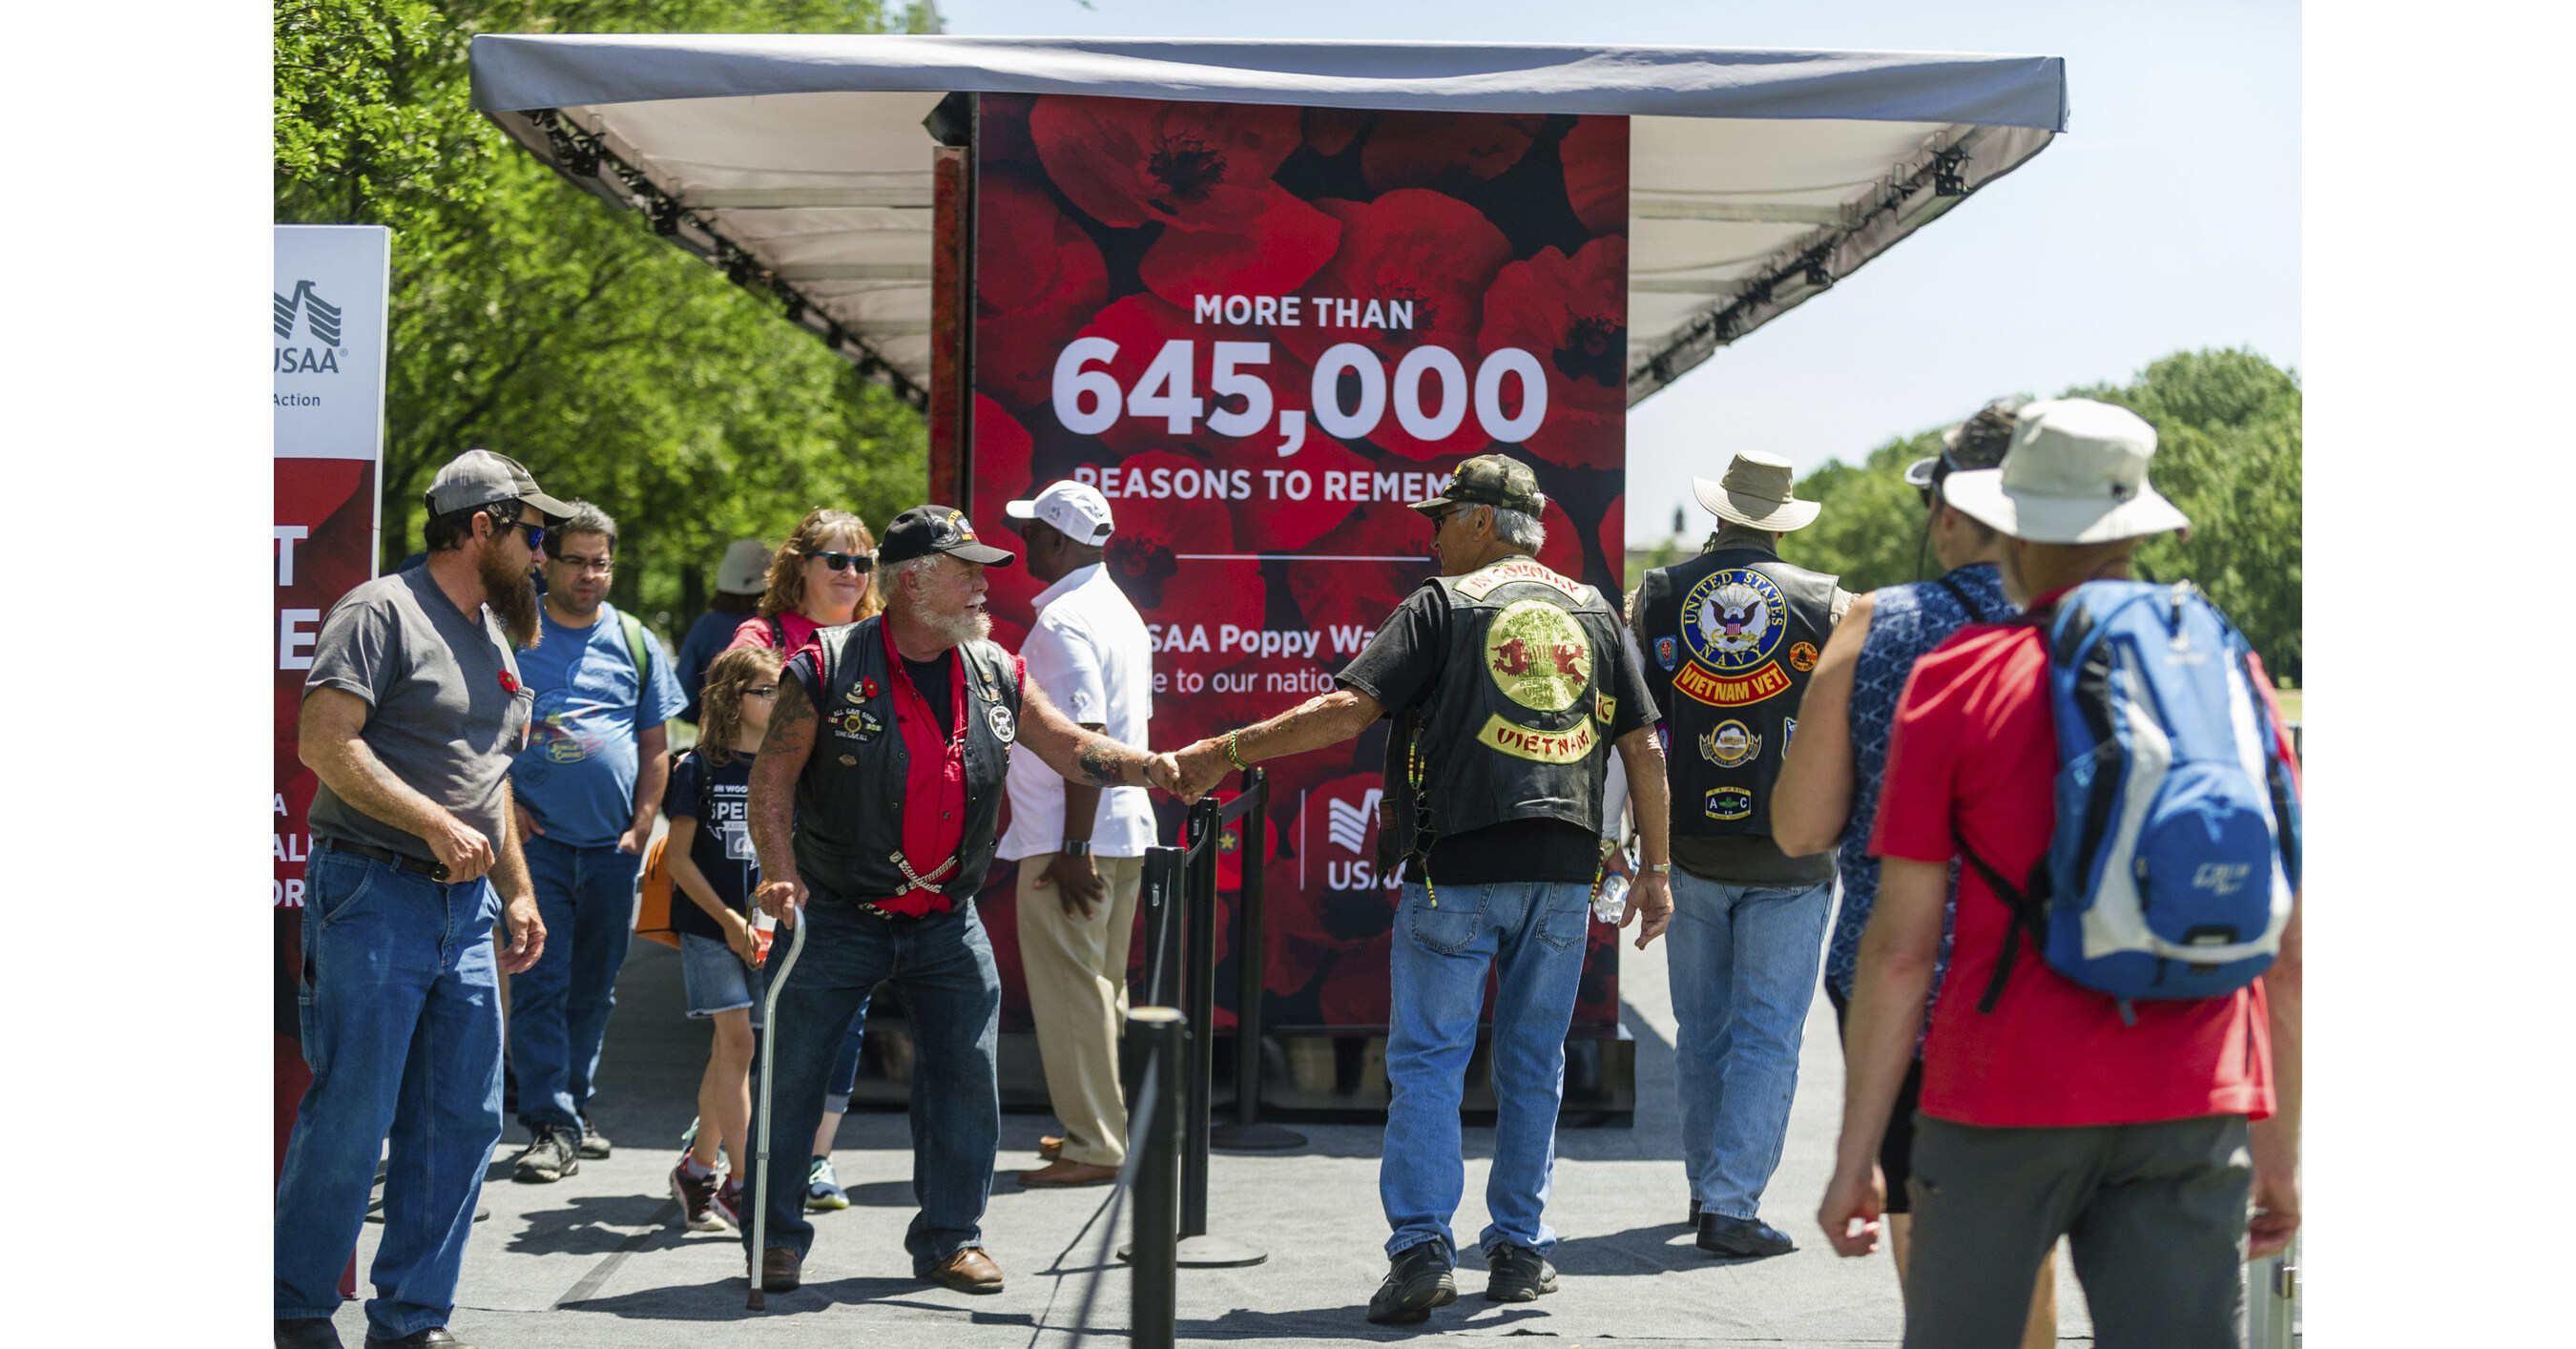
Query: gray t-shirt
446, 710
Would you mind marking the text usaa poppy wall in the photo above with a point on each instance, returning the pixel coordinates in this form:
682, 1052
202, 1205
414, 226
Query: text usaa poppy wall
1259, 331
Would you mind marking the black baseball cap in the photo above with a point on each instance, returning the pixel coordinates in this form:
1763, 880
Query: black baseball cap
924, 530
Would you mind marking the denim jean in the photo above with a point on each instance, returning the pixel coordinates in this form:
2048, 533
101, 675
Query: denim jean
942, 968
1531, 935
1743, 961
559, 1006
402, 1028
845, 1065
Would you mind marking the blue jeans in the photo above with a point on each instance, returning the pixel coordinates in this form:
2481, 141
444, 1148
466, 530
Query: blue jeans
1743, 962
559, 1006
1531, 935
402, 1028
942, 968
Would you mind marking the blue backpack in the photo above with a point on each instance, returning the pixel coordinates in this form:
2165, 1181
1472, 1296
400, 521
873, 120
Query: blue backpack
2176, 849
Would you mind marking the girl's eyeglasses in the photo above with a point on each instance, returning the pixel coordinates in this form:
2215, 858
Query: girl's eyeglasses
765, 691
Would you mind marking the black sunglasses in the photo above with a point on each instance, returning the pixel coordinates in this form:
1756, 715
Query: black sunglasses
536, 533
847, 561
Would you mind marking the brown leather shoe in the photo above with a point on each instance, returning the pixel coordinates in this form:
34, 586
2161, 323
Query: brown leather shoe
1050, 1147
781, 1270
1061, 1174
969, 1270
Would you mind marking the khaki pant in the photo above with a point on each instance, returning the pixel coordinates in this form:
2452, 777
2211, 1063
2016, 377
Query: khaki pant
1077, 975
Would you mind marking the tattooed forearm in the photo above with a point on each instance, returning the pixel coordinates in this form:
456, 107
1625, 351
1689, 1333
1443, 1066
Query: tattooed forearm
1104, 762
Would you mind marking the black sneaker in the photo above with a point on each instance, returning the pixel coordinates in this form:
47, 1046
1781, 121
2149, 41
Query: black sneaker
1722, 1235
1519, 1274
594, 1144
1417, 1280
549, 1157
697, 1196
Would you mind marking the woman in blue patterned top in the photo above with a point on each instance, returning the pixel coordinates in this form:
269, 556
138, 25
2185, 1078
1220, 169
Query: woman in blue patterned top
1827, 795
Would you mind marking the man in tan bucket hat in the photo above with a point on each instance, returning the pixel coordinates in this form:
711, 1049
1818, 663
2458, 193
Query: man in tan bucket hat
1730, 639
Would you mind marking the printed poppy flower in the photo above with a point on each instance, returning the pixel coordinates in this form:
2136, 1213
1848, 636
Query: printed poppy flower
1431, 251
1329, 131
1335, 598
1263, 524
1037, 277
1449, 151
1562, 553
1271, 244
1173, 558
1614, 540
1595, 156
1356, 991
1002, 129
1572, 314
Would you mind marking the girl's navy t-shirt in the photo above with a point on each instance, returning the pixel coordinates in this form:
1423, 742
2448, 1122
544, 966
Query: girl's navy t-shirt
718, 797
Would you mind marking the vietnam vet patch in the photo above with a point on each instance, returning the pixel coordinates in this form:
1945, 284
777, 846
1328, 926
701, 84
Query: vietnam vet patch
1566, 746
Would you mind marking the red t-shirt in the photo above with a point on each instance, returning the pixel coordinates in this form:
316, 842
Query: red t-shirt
934, 787
754, 632
1974, 742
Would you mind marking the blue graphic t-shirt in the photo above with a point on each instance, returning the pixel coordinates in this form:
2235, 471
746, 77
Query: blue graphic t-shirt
1905, 623
577, 775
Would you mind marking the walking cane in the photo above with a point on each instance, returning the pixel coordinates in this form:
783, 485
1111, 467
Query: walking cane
760, 1144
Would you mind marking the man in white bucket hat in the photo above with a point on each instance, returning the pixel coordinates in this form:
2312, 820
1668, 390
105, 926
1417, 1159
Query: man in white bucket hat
1731, 637
2046, 1111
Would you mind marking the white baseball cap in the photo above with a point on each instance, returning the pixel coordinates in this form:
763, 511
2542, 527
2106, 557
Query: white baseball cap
1077, 512
2076, 473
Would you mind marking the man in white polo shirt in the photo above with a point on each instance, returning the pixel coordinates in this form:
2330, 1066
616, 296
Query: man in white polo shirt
1080, 848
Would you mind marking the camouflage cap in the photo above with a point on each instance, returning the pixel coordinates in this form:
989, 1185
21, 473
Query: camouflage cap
1489, 480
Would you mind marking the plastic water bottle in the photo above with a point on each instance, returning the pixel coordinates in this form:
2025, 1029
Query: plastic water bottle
1610, 901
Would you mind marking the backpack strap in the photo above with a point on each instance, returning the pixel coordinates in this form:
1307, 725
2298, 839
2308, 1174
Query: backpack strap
637, 649
778, 637
2029, 907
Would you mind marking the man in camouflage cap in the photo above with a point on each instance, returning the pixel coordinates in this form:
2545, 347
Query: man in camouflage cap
1508, 684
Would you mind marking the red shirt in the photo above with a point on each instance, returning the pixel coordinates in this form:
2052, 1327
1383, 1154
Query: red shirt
934, 786
1974, 742
754, 632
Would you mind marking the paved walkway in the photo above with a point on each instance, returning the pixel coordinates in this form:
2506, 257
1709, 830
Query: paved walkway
598, 1259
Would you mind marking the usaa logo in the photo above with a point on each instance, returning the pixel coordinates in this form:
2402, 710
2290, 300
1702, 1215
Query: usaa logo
321, 323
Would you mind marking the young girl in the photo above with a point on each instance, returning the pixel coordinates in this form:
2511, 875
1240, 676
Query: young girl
712, 862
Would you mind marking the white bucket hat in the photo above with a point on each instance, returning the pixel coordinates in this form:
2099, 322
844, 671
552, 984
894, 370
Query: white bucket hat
745, 569
1755, 493
2076, 473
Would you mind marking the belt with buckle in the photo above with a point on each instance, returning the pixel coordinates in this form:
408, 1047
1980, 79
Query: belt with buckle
436, 871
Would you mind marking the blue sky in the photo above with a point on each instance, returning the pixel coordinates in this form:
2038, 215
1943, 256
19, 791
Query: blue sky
2167, 217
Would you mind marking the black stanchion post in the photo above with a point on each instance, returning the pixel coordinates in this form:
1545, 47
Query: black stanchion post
1247, 1133
1161, 902
1152, 1253
1198, 1250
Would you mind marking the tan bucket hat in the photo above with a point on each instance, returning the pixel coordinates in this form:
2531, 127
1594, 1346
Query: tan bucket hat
2076, 473
1755, 493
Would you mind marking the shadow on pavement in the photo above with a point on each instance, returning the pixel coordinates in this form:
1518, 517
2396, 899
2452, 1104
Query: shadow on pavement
590, 1224
1352, 1323
1639, 1250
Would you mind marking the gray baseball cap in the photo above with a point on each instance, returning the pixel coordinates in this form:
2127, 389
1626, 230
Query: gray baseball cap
480, 477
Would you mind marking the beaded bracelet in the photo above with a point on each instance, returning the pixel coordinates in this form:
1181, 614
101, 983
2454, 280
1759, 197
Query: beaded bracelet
1229, 750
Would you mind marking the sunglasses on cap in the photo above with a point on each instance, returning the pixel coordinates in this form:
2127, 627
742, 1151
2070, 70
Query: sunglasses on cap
847, 561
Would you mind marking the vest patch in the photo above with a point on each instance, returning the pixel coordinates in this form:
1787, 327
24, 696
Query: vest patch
1728, 803
1605, 707
1802, 657
1734, 621
1716, 692
1729, 744
1566, 746
1485, 582
856, 723
1668, 651
1538, 655
1004, 729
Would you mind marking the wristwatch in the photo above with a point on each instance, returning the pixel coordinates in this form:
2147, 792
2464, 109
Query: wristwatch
1075, 847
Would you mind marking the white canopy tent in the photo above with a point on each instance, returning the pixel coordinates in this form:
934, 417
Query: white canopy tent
803, 167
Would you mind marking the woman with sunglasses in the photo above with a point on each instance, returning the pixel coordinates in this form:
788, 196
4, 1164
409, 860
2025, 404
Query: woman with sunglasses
823, 576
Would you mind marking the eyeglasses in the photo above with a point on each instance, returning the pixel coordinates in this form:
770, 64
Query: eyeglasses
765, 691
1441, 519
585, 564
847, 561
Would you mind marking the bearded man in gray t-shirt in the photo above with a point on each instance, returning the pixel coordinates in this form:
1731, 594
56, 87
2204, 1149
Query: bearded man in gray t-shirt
411, 717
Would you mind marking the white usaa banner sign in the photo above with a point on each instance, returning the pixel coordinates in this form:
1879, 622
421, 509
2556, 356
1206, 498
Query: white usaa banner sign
328, 317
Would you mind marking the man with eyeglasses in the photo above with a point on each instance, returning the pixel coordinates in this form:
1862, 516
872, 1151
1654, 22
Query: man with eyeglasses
589, 788
1509, 686
411, 715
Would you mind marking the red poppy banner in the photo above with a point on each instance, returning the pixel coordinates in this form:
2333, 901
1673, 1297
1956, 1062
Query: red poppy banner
1259, 331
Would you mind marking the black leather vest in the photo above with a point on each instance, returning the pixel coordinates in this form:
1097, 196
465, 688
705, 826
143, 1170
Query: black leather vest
1518, 727
849, 800
1731, 638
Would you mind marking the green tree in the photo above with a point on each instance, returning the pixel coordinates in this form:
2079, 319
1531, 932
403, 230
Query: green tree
535, 319
2228, 453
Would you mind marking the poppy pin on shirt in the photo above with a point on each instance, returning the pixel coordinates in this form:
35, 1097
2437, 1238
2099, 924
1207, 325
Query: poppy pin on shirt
509, 682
